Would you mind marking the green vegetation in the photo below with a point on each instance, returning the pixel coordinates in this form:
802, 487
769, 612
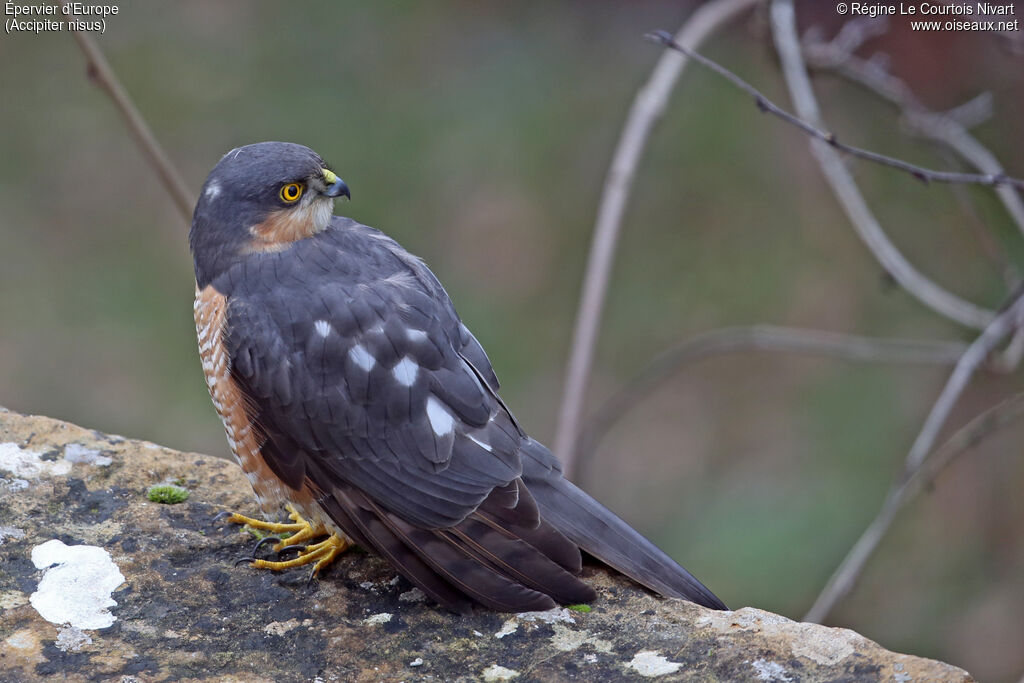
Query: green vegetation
167, 494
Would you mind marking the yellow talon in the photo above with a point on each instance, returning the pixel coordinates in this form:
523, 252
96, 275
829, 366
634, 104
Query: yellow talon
322, 553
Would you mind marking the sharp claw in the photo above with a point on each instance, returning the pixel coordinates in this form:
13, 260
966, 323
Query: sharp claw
221, 515
264, 541
312, 575
285, 549
242, 560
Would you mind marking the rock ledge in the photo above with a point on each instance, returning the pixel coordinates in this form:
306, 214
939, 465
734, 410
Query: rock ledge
154, 597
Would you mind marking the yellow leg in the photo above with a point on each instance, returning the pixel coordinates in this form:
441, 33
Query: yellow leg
322, 554
300, 530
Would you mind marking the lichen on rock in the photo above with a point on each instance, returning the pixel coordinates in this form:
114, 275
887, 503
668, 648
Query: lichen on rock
185, 612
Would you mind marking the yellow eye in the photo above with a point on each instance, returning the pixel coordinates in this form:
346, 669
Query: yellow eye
290, 193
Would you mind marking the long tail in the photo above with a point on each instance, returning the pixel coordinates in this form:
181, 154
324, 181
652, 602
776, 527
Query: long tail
502, 556
597, 530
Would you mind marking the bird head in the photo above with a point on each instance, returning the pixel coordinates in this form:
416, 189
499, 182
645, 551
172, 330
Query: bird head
260, 198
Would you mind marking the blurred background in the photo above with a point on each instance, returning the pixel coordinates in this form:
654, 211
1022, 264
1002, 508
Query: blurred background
478, 135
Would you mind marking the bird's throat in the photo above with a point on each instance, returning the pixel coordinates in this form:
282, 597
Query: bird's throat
284, 226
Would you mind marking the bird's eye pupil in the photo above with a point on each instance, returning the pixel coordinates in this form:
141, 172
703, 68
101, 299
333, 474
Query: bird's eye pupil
291, 192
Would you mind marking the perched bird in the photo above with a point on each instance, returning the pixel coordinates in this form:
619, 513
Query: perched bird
352, 393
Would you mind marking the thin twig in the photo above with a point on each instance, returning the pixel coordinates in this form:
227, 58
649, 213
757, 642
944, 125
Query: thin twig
995, 253
1005, 323
769, 338
647, 108
849, 195
974, 432
947, 128
923, 174
102, 74
845, 577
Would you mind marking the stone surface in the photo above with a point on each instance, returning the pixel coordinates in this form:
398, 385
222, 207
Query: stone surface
184, 612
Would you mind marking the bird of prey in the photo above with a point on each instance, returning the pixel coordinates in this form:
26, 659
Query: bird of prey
353, 394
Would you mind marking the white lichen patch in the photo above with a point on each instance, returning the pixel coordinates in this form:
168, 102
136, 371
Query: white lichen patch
767, 670
13, 485
279, 628
551, 616
412, 595
823, 645
555, 615
508, 628
71, 639
900, 674
22, 640
567, 640
27, 464
377, 619
499, 673
76, 452
746, 619
650, 664
12, 599
416, 662
76, 587
10, 532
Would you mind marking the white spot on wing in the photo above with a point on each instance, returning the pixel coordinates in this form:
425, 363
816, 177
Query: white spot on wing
482, 444
361, 357
441, 421
405, 372
323, 328
415, 335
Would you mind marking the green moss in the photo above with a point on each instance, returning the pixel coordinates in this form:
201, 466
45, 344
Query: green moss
168, 494
578, 608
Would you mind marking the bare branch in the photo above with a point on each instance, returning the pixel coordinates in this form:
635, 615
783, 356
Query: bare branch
764, 104
849, 195
918, 466
770, 338
950, 128
974, 432
646, 110
103, 75
1005, 323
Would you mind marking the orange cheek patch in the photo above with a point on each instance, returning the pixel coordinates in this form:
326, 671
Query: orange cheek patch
284, 226
281, 228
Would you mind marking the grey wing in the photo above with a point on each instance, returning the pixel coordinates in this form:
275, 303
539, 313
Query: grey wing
370, 384
367, 398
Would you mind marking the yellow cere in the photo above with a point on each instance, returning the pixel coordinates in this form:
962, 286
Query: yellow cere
330, 177
291, 192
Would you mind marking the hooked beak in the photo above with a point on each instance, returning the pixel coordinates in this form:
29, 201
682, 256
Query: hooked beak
336, 187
